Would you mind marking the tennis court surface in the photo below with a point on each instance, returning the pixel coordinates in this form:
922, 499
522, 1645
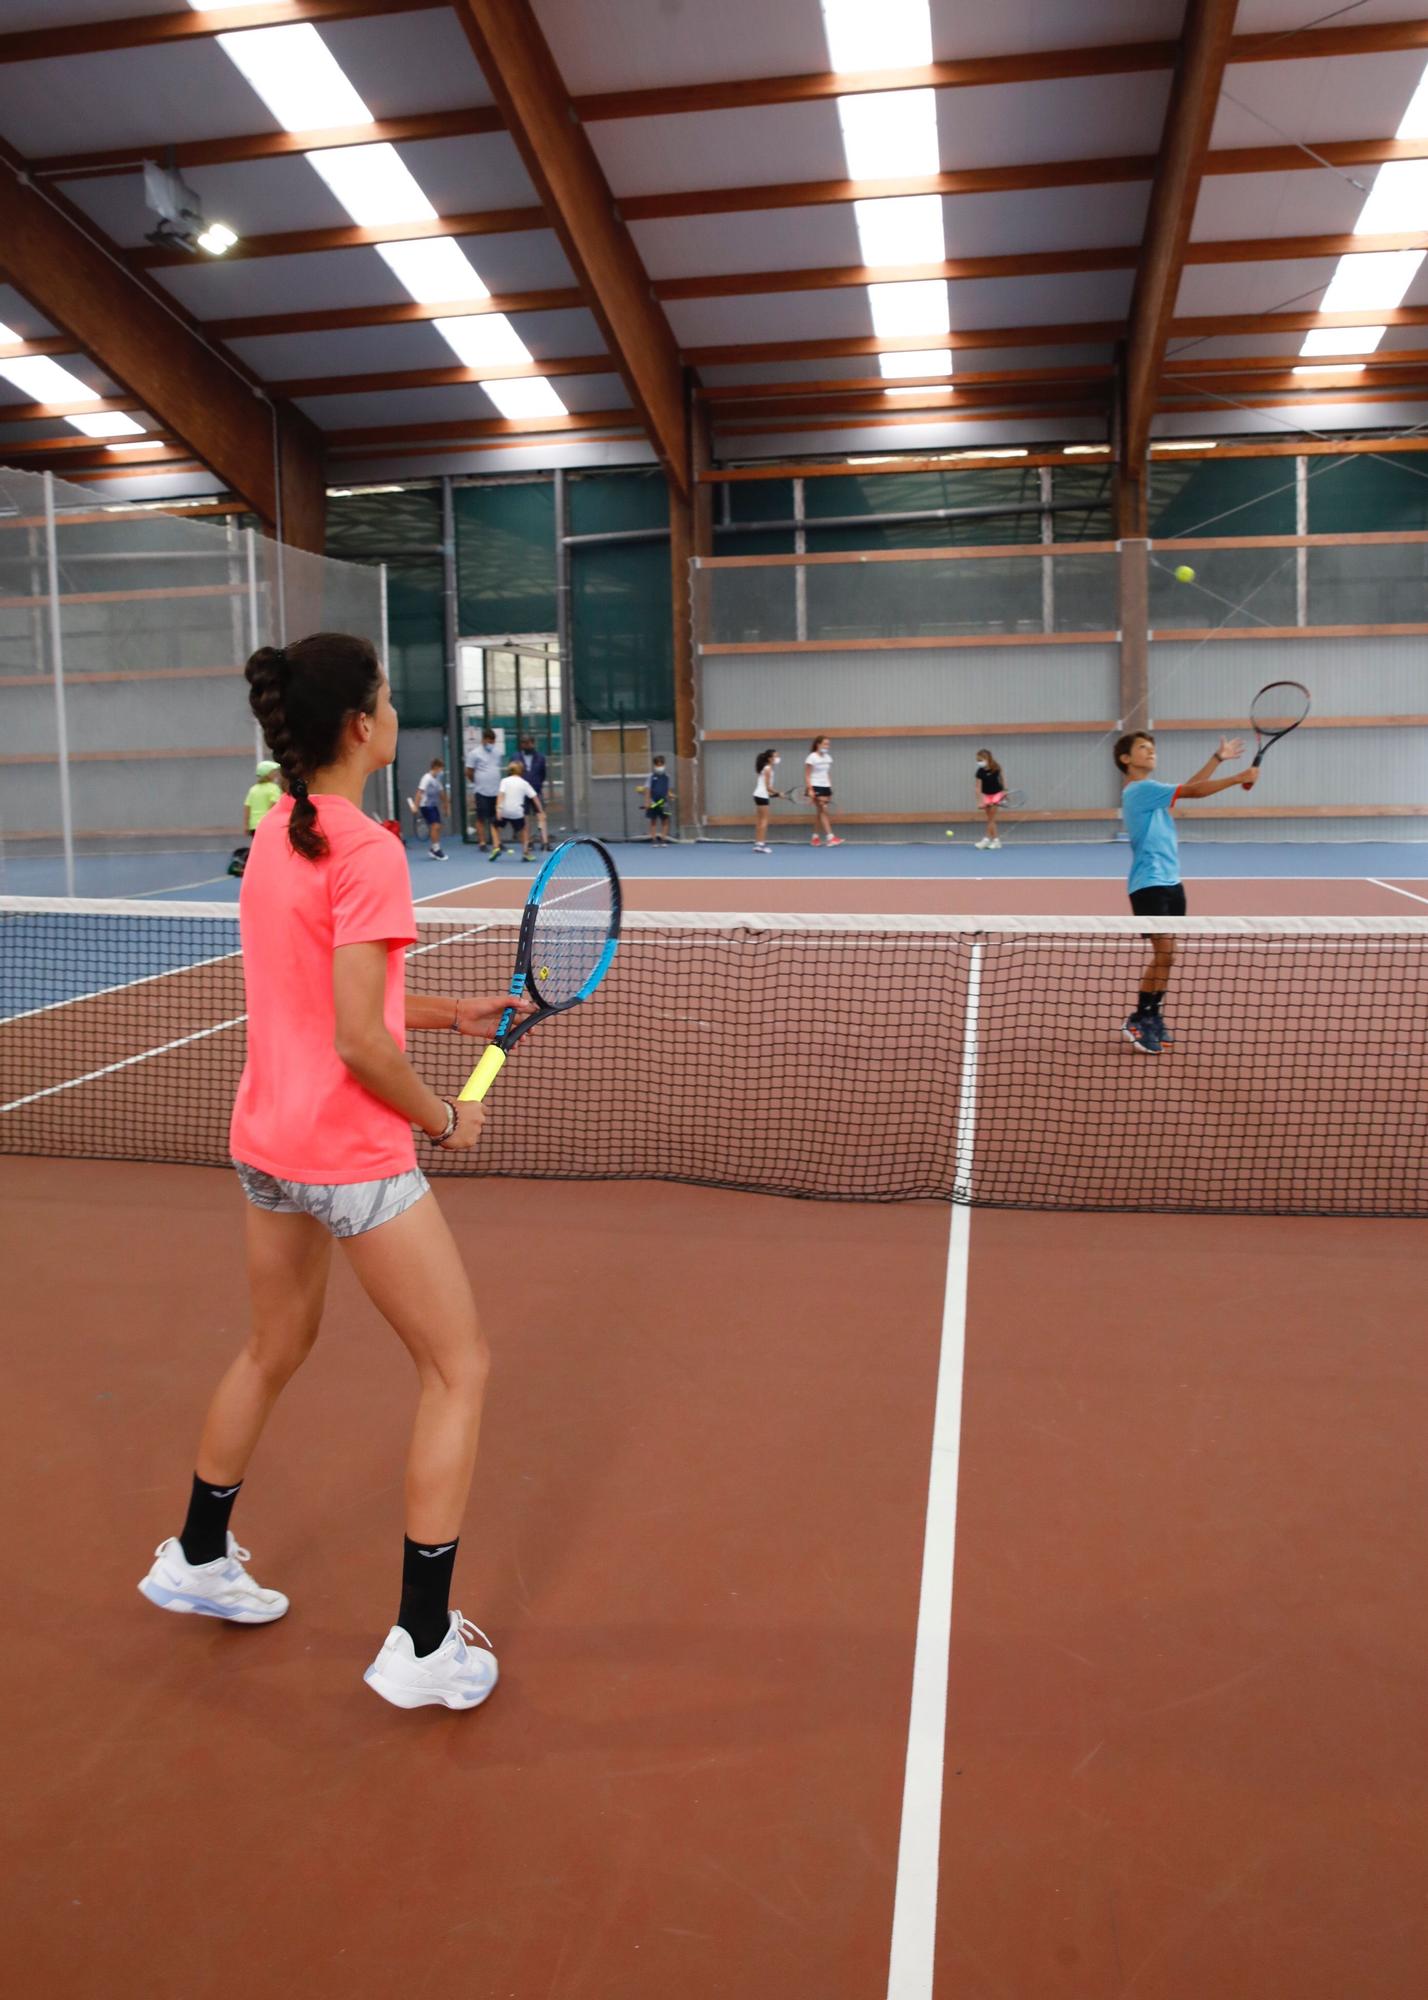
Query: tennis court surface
893, 1597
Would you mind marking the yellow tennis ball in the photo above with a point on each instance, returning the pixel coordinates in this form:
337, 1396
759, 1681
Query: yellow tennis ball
951, 833
1185, 574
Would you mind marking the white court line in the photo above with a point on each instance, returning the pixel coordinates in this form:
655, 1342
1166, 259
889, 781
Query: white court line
172, 888
146, 1055
914, 1929
141, 979
1395, 890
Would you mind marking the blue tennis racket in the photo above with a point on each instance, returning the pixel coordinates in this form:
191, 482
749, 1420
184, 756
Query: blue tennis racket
569, 931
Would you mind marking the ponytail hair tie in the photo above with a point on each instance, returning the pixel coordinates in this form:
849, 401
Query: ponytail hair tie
298, 788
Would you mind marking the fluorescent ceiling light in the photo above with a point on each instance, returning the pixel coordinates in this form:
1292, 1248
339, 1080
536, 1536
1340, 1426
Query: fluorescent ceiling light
935, 394
297, 76
894, 34
916, 361
108, 425
373, 185
1007, 451
1085, 450
889, 134
145, 446
436, 272
905, 230
900, 310
1371, 281
1333, 369
1183, 444
1343, 339
44, 381
484, 340
531, 398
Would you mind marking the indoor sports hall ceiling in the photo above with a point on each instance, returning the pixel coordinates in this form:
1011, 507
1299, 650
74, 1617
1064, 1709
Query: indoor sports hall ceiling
398, 280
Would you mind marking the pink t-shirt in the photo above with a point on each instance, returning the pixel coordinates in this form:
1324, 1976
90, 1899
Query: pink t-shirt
299, 1113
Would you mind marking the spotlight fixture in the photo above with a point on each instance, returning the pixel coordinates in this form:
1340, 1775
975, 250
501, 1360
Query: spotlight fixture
182, 222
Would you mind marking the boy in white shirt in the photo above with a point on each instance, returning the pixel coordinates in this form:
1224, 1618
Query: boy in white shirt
511, 799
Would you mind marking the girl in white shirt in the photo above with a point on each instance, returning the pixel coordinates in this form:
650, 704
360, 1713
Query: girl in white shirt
765, 772
515, 789
818, 774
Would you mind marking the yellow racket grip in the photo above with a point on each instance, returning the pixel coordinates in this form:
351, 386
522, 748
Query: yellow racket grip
484, 1075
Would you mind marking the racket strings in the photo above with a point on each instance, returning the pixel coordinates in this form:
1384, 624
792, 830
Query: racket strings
572, 926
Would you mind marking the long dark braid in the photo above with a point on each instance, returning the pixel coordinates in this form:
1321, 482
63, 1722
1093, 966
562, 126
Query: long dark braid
303, 696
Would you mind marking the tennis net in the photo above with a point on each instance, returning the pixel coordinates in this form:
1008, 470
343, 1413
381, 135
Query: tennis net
860, 1059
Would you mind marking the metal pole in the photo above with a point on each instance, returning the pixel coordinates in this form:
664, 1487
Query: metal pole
254, 626
450, 623
57, 663
1301, 527
1048, 571
572, 789
391, 772
800, 575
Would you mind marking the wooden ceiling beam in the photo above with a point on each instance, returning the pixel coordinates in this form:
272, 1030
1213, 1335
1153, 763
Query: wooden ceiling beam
396, 435
152, 31
303, 242
1194, 96
53, 343
1230, 364
408, 313
383, 383
731, 392
242, 147
934, 399
556, 150
267, 453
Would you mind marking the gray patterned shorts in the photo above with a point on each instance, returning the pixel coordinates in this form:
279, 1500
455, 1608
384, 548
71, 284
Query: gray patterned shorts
348, 1209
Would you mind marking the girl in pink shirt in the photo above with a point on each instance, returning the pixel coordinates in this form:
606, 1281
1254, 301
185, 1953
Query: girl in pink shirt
321, 1137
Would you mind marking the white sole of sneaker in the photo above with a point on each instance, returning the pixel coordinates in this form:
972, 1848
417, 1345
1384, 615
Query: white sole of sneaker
204, 1607
405, 1697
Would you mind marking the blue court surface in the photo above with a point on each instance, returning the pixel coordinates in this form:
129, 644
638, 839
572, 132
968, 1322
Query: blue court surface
200, 877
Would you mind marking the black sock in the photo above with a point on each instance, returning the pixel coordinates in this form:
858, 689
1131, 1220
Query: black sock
205, 1532
426, 1592
1147, 1005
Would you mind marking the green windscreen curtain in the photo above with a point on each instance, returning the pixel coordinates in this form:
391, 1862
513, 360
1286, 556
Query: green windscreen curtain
621, 599
869, 495
403, 530
1364, 495
505, 557
1230, 496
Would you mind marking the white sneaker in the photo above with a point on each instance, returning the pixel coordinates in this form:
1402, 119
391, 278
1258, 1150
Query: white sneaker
983, 842
994, 844
759, 848
457, 1675
218, 1589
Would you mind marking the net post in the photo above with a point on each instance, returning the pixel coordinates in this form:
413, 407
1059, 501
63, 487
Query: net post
390, 775
967, 1084
251, 537
57, 662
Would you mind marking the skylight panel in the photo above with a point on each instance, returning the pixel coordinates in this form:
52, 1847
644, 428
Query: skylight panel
916, 361
435, 271
108, 424
1343, 339
894, 34
1372, 282
373, 185
1398, 199
43, 380
483, 340
529, 398
297, 76
889, 134
901, 310
907, 230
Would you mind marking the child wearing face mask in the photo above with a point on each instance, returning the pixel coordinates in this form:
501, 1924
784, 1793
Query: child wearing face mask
991, 790
765, 771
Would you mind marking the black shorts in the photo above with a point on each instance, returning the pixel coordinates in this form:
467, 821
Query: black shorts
659, 810
1164, 899
533, 807
486, 807
515, 825
821, 791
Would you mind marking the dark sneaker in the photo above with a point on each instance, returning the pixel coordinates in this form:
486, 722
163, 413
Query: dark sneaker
1142, 1031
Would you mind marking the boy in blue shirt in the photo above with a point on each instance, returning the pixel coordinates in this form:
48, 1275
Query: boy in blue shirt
1155, 886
